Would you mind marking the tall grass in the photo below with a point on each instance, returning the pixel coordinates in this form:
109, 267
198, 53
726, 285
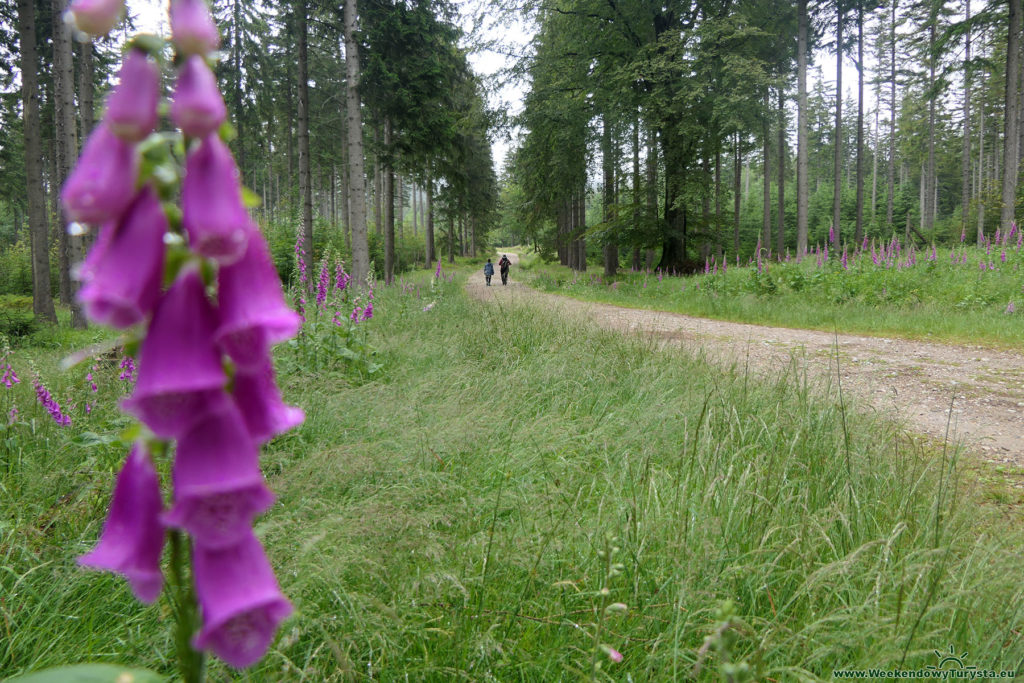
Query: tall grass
459, 518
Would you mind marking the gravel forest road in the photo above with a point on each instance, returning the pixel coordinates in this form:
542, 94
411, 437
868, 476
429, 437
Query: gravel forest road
913, 381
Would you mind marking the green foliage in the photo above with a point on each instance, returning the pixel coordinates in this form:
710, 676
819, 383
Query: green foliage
518, 483
911, 301
89, 673
16, 317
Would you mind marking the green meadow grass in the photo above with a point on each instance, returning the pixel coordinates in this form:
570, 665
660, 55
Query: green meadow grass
936, 300
483, 508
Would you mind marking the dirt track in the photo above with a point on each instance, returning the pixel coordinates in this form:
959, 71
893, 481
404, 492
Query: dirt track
914, 381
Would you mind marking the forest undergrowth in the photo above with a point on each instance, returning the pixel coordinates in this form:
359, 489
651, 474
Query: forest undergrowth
519, 496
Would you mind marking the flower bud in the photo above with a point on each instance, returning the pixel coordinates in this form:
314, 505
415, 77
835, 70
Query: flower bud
96, 17
198, 108
180, 373
211, 203
192, 27
133, 536
218, 486
132, 106
241, 602
253, 312
121, 284
103, 183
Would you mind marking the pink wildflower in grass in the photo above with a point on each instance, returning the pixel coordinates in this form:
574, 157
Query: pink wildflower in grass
1010, 309
437, 272
127, 367
51, 405
429, 307
368, 311
357, 311
12, 415
341, 278
322, 285
300, 253
963, 234
8, 378
1002, 256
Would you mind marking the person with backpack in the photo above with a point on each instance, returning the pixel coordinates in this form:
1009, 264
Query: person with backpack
503, 265
488, 271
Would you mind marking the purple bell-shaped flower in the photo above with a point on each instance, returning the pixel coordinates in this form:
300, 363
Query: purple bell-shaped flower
103, 183
260, 402
241, 602
133, 536
211, 203
180, 372
96, 17
218, 486
121, 284
132, 106
198, 108
192, 27
253, 312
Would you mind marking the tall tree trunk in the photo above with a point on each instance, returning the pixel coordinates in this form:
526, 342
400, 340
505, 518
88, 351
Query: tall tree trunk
451, 235
1011, 118
611, 248
780, 238
891, 171
981, 173
67, 151
837, 168
858, 232
802, 167
86, 101
42, 300
356, 176
388, 174
766, 222
305, 174
399, 190
737, 172
428, 221
581, 225
874, 168
965, 152
651, 171
636, 186
236, 95
928, 226
718, 197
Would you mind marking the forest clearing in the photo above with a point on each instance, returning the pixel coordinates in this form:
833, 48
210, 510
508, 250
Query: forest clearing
264, 416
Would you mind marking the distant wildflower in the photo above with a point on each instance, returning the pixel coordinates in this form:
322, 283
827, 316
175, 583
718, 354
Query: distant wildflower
429, 307
127, 369
437, 272
341, 278
51, 405
12, 415
368, 311
8, 378
1002, 256
963, 234
1010, 309
323, 284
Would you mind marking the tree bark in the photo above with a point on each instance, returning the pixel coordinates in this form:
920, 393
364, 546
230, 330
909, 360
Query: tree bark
1010, 118
428, 223
305, 176
780, 238
652, 187
965, 152
891, 171
766, 222
837, 169
42, 300
236, 95
928, 221
356, 176
802, 166
858, 232
737, 172
611, 249
981, 174
636, 187
388, 179
67, 153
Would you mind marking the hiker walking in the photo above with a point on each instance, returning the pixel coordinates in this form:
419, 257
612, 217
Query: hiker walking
488, 271
503, 265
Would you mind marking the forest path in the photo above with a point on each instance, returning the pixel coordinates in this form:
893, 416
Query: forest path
912, 380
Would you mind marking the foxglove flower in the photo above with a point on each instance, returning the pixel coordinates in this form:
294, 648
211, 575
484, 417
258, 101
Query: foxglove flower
198, 107
192, 27
96, 17
180, 373
259, 401
253, 312
122, 284
211, 203
218, 486
103, 183
133, 536
131, 108
241, 602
